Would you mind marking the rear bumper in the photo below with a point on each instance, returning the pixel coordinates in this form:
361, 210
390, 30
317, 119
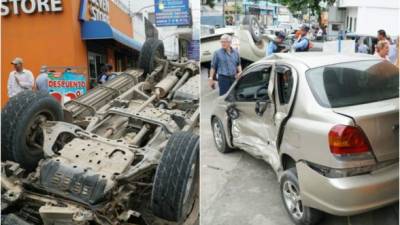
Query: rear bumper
348, 195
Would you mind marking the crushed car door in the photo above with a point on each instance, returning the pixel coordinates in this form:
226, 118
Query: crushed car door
285, 80
250, 129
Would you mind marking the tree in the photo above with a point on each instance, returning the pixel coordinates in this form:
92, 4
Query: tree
304, 5
210, 3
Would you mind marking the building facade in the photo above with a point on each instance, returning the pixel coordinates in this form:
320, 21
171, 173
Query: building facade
82, 35
379, 14
179, 40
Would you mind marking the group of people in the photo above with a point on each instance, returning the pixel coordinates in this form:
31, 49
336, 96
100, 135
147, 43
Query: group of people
226, 61
301, 44
385, 48
21, 79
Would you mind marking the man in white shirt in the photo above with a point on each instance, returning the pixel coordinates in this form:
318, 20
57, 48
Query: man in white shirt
20, 79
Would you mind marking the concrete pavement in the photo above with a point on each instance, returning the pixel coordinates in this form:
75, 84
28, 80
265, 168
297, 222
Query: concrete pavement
237, 189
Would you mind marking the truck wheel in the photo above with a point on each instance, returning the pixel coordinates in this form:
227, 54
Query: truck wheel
176, 181
251, 23
22, 137
151, 49
219, 136
290, 193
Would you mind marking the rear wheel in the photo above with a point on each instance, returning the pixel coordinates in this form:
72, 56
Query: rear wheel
151, 50
219, 136
290, 193
22, 135
177, 177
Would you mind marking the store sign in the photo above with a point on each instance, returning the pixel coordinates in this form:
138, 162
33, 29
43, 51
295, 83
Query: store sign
172, 12
99, 10
66, 86
17, 7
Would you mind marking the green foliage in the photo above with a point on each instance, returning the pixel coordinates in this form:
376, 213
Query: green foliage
211, 3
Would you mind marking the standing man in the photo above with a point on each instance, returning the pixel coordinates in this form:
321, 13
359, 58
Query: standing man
225, 63
42, 81
382, 35
273, 45
19, 79
302, 43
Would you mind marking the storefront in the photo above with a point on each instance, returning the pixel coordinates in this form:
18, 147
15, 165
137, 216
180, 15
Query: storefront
83, 34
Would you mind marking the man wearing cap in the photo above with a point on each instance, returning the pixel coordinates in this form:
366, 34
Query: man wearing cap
20, 79
42, 81
273, 45
302, 43
225, 63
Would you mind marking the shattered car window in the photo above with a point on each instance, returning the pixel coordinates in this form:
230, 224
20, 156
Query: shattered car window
354, 83
285, 84
251, 83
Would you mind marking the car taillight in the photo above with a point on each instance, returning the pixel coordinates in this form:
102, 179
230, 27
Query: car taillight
345, 140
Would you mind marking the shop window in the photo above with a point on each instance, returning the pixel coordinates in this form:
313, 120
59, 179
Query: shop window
335, 27
350, 24
355, 24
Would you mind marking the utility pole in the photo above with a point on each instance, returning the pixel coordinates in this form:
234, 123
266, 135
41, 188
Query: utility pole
223, 12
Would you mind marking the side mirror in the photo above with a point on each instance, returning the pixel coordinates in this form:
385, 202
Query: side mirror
261, 106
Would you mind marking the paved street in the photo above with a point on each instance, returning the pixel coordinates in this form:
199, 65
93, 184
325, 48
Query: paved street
237, 189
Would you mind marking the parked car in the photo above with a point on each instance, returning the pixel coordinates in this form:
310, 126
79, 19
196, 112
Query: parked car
368, 40
327, 124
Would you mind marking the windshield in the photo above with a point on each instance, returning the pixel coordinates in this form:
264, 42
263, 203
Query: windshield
354, 83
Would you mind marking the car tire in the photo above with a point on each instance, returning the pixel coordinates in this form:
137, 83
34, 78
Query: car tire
253, 26
21, 118
219, 136
290, 190
176, 184
151, 49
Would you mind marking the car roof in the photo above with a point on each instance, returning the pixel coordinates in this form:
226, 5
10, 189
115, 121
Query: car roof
318, 59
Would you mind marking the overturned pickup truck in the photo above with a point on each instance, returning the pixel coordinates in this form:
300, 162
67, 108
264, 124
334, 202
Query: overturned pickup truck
125, 153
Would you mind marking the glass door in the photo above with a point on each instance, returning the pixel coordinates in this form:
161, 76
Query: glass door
96, 64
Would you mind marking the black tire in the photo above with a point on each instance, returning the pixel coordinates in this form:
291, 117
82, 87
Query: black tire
252, 24
151, 49
309, 216
178, 168
223, 146
17, 118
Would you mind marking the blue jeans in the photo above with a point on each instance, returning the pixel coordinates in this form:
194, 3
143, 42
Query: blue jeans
224, 83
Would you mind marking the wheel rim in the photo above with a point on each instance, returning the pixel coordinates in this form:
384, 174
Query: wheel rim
292, 200
189, 197
217, 135
34, 134
256, 28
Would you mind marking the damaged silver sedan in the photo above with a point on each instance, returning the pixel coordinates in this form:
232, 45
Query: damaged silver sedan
125, 153
327, 124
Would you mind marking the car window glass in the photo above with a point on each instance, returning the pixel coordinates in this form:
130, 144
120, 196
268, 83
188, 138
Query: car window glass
354, 83
255, 81
285, 84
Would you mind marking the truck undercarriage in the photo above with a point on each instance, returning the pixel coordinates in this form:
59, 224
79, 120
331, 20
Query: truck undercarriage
125, 153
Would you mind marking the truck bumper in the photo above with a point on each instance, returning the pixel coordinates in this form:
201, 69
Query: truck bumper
348, 195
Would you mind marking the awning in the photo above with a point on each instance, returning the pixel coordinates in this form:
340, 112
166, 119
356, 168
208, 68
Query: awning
98, 30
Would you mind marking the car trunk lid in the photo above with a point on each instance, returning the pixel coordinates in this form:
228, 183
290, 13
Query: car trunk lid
380, 123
